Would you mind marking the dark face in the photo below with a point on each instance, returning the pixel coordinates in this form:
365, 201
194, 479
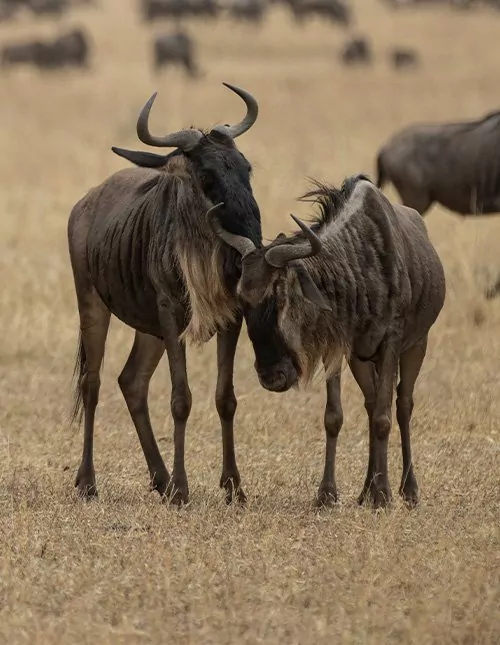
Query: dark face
225, 175
276, 364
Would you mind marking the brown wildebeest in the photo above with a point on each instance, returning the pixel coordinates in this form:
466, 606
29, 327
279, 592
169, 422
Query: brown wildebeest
456, 165
365, 282
142, 248
157, 9
70, 49
175, 48
357, 51
247, 10
403, 58
338, 11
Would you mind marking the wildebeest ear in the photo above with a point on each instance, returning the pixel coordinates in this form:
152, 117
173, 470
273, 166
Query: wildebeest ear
140, 158
309, 289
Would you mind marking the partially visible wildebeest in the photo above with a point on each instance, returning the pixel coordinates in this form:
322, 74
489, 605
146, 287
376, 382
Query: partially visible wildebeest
334, 10
142, 248
157, 9
356, 51
48, 7
247, 10
40, 8
456, 164
402, 58
176, 48
458, 4
68, 50
9, 9
365, 282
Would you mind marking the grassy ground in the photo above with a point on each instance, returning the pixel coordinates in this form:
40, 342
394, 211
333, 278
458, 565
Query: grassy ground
127, 569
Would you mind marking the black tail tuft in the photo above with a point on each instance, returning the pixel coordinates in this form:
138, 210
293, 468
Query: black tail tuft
81, 359
381, 176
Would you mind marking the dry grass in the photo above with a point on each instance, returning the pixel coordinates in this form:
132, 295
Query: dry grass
127, 569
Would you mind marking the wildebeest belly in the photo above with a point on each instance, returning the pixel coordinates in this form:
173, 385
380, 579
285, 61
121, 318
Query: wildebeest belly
118, 266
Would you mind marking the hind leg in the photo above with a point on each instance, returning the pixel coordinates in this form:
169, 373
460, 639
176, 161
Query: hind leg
410, 365
366, 377
94, 324
134, 384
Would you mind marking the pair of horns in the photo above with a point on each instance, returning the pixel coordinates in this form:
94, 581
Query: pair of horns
277, 256
187, 139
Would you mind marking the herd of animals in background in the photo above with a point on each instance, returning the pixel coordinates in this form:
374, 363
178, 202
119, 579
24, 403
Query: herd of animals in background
176, 47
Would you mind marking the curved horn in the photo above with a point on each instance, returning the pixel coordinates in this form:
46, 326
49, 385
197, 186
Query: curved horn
234, 131
243, 245
184, 139
280, 255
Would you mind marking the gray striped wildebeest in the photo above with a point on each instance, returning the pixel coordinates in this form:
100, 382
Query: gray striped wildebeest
142, 248
456, 164
364, 282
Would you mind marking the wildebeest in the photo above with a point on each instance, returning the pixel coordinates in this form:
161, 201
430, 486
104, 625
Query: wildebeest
365, 282
175, 48
456, 165
338, 11
334, 10
356, 51
247, 10
402, 58
141, 247
156, 9
68, 50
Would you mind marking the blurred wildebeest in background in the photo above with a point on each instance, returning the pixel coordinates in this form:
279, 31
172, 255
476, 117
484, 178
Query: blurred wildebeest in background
458, 4
493, 291
68, 50
247, 10
39, 8
157, 9
175, 48
357, 51
456, 165
334, 10
402, 58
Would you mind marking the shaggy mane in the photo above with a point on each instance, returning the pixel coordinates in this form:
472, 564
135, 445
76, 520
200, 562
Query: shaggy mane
330, 199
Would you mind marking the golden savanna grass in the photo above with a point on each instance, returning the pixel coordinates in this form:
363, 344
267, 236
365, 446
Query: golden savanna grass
128, 569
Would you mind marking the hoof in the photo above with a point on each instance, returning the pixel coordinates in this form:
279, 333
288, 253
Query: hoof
159, 484
177, 494
234, 492
409, 493
327, 497
376, 497
382, 498
85, 483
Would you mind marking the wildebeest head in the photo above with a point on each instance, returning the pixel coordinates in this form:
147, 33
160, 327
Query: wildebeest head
224, 176
223, 171
272, 279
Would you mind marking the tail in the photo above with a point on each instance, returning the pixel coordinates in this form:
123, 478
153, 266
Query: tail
78, 372
381, 176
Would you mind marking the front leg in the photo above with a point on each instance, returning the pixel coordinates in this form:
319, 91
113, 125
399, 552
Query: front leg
180, 401
226, 403
327, 493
